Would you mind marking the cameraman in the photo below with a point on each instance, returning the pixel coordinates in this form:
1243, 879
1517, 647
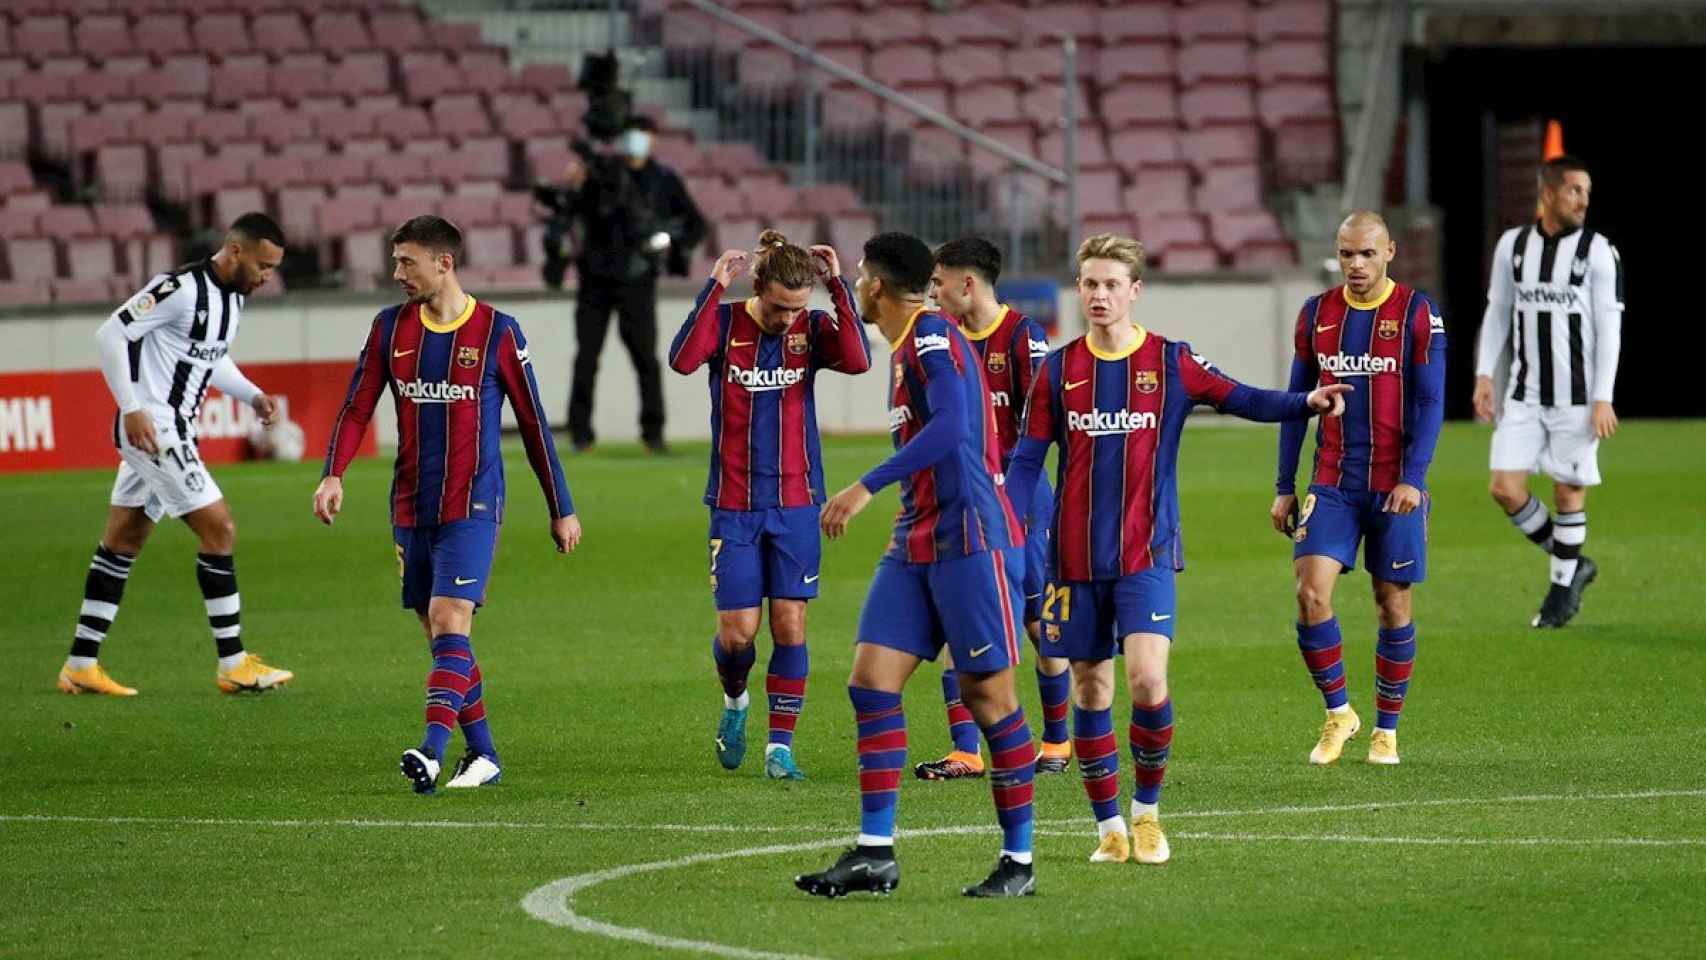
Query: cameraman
631, 217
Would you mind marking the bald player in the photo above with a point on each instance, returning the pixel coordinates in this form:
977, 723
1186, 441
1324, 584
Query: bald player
1369, 481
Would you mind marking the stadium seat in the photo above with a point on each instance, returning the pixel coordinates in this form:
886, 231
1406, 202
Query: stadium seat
239, 79
977, 68
1159, 191
104, 35
1092, 147
847, 233
66, 221
1221, 145
221, 33
1234, 188
42, 35
768, 201
87, 133
1233, 230
163, 34
16, 293
1215, 60
362, 72
545, 78
1213, 20
1143, 61
99, 86
123, 221
173, 162
1294, 20
365, 254
460, 116
1294, 60
403, 31
489, 246
1123, 24
14, 128
1296, 101
340, 127
829, 200
715, 200
14, 177
280, 33
909, 63
1099, 191
300, 75
468, 210
1118, 222
1217, 103
219, 126
1190, 258
70, 290
297, 211
339, 32
404, 126
1306, 151
1140, 104
31, 258
122, 170
734, 159
895, 27
18, 221
1264, 256
232, 202
188, 76
91, 258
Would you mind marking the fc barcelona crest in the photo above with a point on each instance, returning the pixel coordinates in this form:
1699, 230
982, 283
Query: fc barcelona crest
1387, 328
1147, 381
797, 344
467, 356
997, 362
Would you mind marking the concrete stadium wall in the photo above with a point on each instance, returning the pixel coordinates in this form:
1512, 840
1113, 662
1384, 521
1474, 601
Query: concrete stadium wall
1243, 326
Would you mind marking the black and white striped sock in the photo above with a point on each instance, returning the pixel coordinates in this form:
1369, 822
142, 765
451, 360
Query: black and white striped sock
1534, 522
1568, 535
217, 576
102, 591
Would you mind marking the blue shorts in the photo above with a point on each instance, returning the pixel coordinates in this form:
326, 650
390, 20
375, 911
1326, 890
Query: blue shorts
1089, 619
1331, 521
1037, 525
764, 553
966, 603
449, 560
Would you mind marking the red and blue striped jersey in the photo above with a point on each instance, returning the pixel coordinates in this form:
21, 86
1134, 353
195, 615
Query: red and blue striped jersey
1012, 348
448, 382
1392, 352
947, 454
764, 442
1117, 419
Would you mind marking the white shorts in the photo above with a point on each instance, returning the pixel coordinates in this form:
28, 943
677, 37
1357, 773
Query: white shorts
174, 483
1557, 441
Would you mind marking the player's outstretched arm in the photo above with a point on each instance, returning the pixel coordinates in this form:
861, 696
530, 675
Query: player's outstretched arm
1607, 280
846, 346
515, 375
701, 335
1204, 383
230, 381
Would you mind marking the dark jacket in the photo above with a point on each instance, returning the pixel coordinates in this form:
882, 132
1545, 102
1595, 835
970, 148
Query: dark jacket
616, 212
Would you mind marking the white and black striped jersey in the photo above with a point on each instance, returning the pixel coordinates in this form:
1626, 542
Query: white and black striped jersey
180, 327
1556, 303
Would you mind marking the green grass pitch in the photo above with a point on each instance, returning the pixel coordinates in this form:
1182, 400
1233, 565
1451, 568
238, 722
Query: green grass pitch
1551, 799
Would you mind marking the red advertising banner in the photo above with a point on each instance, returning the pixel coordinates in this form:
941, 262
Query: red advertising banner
62, 419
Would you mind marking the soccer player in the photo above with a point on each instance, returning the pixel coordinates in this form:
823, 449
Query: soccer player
1115, 401
450, 361
1370, 475
766, 485
951, 575
1011, 347
1557, 291
159, 353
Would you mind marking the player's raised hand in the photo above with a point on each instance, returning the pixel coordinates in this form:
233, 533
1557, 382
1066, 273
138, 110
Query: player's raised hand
1483, 399
843, 507
1604, 419
728, 265
828, 264
266, 408
139, 430
328, 499
1327, 400
566, 531
1281, 513
1403, 499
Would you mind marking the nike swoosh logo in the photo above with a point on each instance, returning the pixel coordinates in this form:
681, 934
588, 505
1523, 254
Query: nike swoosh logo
1074, 386
740, 343
463, 583
980, 651
858, 867
401, 353
1325, 329
1399, 566
812, 578
1158, 617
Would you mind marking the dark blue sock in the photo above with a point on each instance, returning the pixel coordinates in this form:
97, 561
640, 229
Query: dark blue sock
961, 727
732, 668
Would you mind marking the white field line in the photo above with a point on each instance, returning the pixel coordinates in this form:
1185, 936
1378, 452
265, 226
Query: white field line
1171, 815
